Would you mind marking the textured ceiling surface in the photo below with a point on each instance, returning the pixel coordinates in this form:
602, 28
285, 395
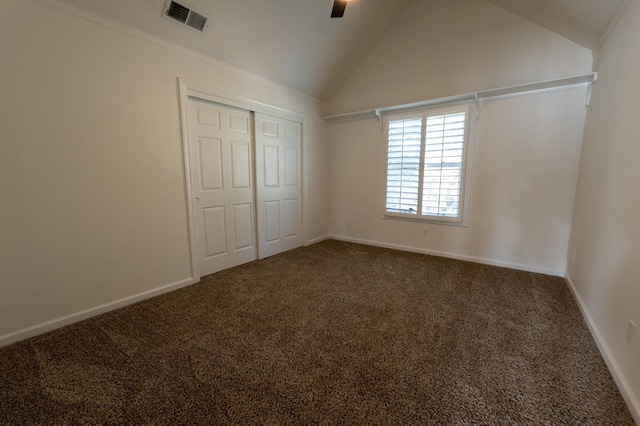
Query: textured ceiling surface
295, 43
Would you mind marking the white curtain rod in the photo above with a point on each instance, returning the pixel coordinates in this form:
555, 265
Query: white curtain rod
586, 79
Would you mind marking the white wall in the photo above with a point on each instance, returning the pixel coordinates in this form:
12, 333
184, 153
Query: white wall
526, 149
525, 158
444, 47
605, 234
92, 184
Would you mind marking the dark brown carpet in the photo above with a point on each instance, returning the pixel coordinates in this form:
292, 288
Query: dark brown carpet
335, 333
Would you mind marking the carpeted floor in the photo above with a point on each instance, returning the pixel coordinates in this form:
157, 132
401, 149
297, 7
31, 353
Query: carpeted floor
335, 333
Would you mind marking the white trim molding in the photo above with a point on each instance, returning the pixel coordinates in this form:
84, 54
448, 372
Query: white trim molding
44, 327
194, 89
464, 257
618, 377
317, 240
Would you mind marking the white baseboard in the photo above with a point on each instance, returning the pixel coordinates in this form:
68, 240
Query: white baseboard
482, 260
317, 240
44, 327
627, 393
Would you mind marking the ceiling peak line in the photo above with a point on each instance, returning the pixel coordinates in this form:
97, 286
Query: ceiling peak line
614, 22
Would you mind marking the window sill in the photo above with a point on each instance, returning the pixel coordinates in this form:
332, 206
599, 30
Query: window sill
460, 224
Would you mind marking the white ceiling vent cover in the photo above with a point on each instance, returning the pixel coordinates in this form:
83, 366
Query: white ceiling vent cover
184, 15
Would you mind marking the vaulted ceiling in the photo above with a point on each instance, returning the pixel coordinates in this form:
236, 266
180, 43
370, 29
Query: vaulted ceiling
584, 22
296, 43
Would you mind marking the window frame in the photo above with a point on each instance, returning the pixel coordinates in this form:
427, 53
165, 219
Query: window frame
424, 114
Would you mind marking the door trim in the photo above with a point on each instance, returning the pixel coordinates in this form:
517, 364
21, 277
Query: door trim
189, 88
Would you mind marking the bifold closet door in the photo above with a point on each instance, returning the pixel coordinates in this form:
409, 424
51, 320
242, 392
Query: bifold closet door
221, 173
278, 184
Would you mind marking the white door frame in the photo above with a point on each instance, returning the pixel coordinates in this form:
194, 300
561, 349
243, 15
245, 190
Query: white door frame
194, 89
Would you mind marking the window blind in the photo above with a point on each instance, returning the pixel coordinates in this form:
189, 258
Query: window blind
425, 164
443, 154
403, 165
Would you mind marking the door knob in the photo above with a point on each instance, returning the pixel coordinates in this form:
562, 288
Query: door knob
197, 199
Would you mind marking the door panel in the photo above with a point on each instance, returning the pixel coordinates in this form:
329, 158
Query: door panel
270, 163
209, 118
269, 127
239, 124
214, 231
210, 163
290, 131
220, 159
291, 214
241, 164
291, 156
242, 220
278, 184
272, 220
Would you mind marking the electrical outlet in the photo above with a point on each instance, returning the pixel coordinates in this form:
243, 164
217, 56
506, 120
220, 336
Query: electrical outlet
348, 224
631, 331
424, 232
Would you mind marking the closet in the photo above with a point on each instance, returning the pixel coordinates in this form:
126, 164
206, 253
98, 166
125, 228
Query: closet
244, 178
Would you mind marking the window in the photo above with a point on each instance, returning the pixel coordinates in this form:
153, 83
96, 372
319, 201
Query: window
426, 161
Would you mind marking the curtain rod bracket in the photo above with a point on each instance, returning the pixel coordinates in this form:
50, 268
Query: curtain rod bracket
478, 107
379, 115
587, 96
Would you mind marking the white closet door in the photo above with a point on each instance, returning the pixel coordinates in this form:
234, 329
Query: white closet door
221, 175
278, 184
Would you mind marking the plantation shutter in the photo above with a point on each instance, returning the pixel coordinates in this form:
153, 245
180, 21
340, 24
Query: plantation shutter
443, 157
403, 165
426, 162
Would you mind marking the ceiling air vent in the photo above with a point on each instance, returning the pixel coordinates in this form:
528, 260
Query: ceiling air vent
184, 15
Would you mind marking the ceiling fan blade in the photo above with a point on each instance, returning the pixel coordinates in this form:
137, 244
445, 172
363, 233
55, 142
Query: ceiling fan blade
338, 8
